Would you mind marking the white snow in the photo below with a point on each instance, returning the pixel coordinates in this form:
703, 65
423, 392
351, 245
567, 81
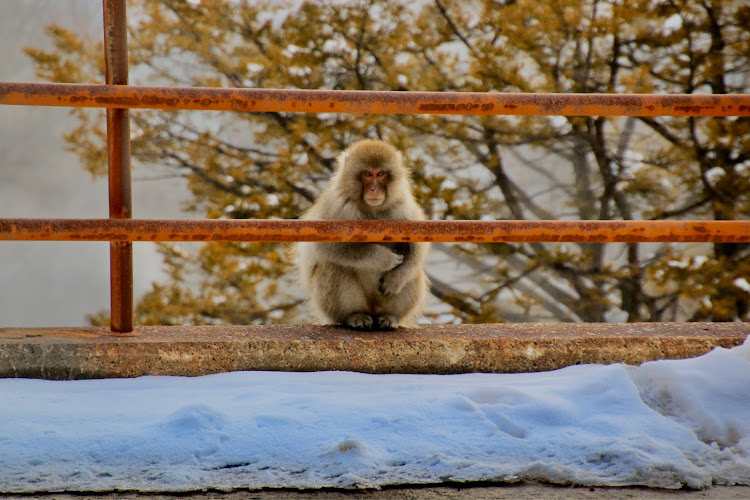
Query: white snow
291, 50
272, 200
698, 261
448, 184
300, 71
742, 284
714, 175
678, 264
254, 68
672, 24
336, 46
662, 424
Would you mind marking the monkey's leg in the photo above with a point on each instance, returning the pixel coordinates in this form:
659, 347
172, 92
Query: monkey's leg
341, 298
398, 309
359, 321
386, 322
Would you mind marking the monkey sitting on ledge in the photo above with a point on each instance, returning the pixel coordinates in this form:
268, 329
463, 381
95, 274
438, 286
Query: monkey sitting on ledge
366, 286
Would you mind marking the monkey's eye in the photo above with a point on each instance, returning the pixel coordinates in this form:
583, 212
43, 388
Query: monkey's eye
381, 173
367, 173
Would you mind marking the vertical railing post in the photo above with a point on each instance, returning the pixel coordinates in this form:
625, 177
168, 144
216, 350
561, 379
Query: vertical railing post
118, 157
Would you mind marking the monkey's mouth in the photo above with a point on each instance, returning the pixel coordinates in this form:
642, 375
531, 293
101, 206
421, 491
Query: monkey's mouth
374, 201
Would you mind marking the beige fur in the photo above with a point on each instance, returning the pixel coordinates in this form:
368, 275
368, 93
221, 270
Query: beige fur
366, 286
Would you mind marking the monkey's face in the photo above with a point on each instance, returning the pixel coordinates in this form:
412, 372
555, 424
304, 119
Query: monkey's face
374, 182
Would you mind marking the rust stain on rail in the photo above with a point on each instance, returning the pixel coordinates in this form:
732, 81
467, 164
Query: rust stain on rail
373, 230
383, 102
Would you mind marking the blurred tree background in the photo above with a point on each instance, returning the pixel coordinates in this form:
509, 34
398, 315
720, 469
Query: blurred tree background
273, 165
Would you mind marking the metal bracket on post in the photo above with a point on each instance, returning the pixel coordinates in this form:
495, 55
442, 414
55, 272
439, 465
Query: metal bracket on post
118, 157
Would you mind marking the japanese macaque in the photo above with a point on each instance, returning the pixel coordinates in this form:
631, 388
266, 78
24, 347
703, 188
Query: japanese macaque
366, 286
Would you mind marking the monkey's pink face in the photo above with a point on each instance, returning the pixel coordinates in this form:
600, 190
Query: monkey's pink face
374, 181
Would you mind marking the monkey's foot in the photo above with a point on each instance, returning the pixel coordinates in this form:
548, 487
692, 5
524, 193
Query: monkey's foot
387, 323
359, 321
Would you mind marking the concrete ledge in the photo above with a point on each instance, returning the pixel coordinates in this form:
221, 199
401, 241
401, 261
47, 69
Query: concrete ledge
77, 353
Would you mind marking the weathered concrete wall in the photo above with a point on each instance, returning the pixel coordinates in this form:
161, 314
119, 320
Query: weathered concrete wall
73, 353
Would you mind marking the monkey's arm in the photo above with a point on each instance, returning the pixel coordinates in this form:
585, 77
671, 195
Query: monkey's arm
366, 256
414, 256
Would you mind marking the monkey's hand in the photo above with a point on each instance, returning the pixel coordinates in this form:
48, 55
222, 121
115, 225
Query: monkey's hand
392, 283
363, 256
383, 258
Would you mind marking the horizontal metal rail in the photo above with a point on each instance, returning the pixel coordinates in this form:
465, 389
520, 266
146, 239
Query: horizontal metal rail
383, 102
373, 230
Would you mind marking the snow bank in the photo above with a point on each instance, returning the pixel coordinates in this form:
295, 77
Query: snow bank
663, 424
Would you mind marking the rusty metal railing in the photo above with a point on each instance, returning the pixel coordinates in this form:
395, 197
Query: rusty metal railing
594, 231
118, 159
121, 230
363, 101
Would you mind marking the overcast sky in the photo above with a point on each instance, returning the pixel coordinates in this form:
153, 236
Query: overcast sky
58, 283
